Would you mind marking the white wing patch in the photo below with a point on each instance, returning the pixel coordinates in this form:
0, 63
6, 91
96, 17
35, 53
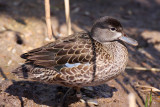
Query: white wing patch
74, 65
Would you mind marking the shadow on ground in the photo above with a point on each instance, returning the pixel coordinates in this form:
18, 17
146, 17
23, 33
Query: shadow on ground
51, 95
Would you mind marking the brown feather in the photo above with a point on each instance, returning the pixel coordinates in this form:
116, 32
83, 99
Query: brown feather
76, 49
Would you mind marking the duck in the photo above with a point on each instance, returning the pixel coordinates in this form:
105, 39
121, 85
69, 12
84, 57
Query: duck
81, 59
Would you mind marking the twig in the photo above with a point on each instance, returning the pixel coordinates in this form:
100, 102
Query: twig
67, 13
144, 69
48, 19
145, 88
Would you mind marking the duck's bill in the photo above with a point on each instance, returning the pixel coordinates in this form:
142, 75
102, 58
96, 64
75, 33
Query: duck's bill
129, 40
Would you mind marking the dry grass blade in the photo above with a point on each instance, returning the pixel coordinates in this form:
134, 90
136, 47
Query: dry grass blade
48, 19
67, 13
144, 69
147, 88
144, 88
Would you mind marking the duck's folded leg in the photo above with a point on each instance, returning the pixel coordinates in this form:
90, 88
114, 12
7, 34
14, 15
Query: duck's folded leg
85, 99
78, 92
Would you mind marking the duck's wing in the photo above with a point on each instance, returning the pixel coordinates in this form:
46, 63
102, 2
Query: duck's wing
74, 49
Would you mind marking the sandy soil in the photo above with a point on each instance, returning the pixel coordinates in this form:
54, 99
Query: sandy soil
22, 28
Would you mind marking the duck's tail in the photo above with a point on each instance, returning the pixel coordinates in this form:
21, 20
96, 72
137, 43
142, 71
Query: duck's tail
24, 71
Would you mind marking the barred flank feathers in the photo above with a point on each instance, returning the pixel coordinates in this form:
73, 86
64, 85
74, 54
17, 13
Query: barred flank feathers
37, 73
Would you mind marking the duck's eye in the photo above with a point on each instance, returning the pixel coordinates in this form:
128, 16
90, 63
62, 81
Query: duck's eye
113, 29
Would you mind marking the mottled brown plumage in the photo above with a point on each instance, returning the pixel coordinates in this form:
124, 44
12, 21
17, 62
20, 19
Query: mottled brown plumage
82, 59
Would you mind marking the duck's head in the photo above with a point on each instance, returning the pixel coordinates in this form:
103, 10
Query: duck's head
107, 29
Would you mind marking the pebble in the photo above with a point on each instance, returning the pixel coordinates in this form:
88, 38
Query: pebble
14, 51
9, 48
20, 63
130, 12
47, 39
30, 48
9, 62
76, 10
87, 13
91, 101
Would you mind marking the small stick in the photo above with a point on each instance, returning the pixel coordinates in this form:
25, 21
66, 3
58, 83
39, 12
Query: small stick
48, 19
145, 88
144, 69
67, 13
132, 100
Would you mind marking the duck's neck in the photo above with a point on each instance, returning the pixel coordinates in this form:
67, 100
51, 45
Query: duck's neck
117, 50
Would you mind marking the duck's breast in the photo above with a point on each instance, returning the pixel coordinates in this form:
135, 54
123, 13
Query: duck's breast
110, 62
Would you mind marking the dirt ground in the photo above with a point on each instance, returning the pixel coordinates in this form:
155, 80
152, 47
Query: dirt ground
22, 28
